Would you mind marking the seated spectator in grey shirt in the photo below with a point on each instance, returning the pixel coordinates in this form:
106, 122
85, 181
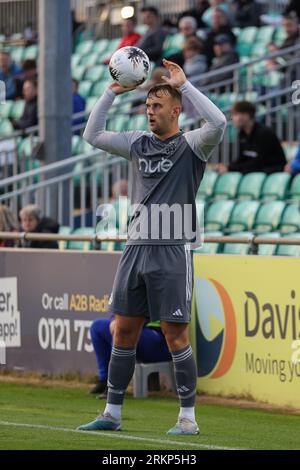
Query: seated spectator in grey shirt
30, 114
152, 41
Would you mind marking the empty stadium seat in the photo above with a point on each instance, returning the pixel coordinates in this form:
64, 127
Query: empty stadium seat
207, 185
6, 128
294, 192
218, 215
63, 230
266, 249
238, 248
289, 250
290, 220
226, 185
251, 185
269, 216
275, 186
81, 245
243, 216
207, 247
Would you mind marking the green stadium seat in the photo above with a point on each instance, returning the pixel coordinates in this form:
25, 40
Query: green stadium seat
84, 47
243, 216
207, 247
247, 35
75, 59
290, 221
265, 34
226, 185
63, 230
86, 147
275, 186
94, 73
85, 88
81, 245
78, 72
258, 50
90, 103
238, 248
76, 145
17, 109
31, 52
289, 250
268, 216
294, 193
250, 186
266, 249
89, 60
206, 188
118, 123
279, 36
6, 128
99, 87
100, 45
244, 50
26, 146
17, 54
138, 121
218, 215
5, 109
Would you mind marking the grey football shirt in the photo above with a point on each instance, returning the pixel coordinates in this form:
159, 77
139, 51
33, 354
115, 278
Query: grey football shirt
166, 173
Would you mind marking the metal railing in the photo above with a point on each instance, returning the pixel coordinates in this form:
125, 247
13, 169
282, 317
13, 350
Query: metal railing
253, 240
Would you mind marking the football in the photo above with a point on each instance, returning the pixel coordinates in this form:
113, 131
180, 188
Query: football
129, 66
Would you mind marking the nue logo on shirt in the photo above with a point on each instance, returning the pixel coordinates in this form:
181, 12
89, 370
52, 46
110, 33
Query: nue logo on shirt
150, 166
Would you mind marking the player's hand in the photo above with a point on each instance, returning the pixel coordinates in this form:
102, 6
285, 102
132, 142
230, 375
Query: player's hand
119, 89
177, 76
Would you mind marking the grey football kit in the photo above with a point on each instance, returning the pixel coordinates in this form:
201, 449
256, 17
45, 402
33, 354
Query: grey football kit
155, 273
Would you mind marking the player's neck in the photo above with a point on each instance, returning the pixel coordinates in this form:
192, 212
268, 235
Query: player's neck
167, 135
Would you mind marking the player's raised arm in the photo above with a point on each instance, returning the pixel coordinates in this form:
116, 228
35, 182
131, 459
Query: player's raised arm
204, 139
117, 143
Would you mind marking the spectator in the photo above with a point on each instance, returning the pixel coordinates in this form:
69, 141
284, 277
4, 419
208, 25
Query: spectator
259, 147
293, 167
7, 224
30, 113
222, 5
29, 73
291, 27
194, 59
246, 13
152, 347
294, 5
152, 41
33, 221
78, 106
200, 7
220, 25
225, 55
129, 36
188, 28
8, 73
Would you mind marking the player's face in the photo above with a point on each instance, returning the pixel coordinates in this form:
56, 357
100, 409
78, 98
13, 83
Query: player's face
162, 112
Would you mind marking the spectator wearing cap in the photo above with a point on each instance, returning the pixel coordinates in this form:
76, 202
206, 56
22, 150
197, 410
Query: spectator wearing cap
152, 42
259, 146
225, 55
8, 72
220, 25
207, 16
246, 13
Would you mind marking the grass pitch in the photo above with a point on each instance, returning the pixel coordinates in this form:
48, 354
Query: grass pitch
45, 418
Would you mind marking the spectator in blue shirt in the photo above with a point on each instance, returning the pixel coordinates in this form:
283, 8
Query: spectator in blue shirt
8, 72
78, 106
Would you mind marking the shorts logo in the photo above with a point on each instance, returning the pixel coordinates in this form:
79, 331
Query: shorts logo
177, 313
111, 298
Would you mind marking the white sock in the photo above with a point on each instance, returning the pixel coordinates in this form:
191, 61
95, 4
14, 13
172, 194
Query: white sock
114, 411
187, 412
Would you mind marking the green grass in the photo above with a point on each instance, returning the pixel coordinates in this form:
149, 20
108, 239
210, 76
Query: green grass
149, 418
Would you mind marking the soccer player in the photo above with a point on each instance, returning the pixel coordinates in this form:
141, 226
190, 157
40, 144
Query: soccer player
155, 274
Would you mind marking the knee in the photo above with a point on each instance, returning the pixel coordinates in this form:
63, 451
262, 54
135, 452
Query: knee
124, 336
175, 340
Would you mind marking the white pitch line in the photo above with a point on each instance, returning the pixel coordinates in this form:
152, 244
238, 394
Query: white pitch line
117, 435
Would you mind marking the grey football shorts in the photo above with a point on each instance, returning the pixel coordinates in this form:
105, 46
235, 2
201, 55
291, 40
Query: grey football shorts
155, 281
